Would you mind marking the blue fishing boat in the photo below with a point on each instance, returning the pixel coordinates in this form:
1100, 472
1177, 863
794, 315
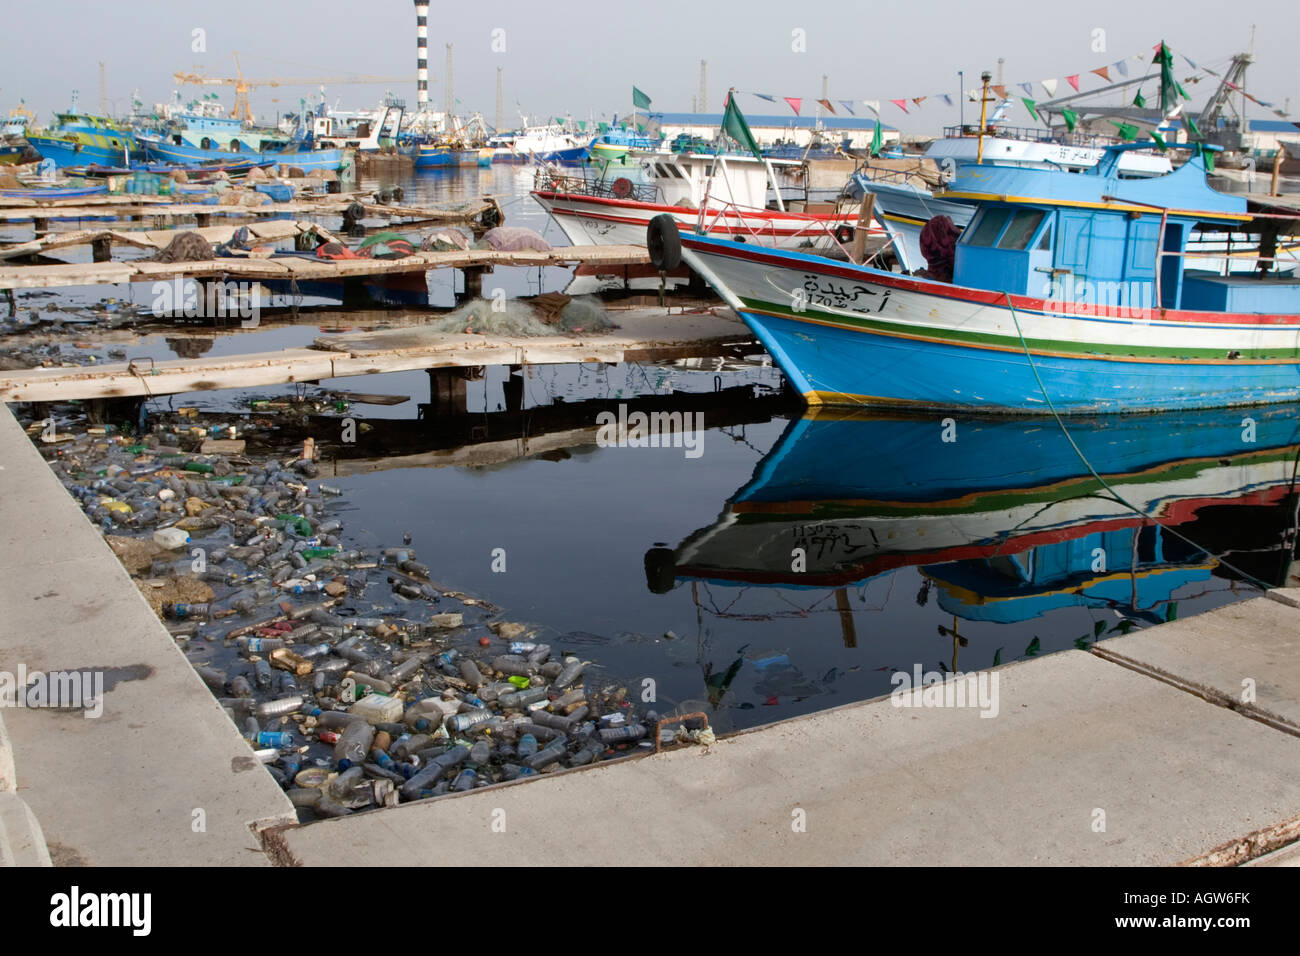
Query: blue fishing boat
53, 192
1008, 521
214, 140
78, 139
1066, 292
443, 156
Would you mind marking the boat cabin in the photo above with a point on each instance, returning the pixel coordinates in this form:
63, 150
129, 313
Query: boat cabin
1097, 240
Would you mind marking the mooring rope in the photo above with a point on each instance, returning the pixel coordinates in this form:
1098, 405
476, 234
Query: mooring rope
1120, 499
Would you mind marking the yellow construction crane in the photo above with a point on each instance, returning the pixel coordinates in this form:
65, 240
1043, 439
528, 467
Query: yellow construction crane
241, 108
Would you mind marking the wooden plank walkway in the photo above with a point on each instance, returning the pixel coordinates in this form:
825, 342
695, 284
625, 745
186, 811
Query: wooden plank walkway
158, 238
645, 334
291, 267
14, 210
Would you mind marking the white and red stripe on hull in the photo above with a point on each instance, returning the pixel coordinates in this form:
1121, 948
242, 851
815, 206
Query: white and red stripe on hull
598, 221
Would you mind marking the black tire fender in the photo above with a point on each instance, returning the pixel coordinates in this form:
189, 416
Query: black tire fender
664, 242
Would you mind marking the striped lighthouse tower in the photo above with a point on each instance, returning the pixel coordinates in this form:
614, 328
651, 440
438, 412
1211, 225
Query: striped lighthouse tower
422, 51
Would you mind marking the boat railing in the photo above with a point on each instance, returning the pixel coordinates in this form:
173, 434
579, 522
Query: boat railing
822, 233
620, 187
1032, 134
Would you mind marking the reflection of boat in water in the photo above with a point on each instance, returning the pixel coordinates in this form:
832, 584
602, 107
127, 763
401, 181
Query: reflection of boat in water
1004, 517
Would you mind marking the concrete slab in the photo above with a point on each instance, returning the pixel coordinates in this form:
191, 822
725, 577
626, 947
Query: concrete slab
1075, 737
21, 840
123, 788
1227, 655
1287, 856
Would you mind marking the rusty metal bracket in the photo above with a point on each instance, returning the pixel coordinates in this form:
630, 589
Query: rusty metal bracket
678, 718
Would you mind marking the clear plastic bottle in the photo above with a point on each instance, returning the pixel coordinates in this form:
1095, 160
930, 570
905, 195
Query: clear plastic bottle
573, 669
354, 743
463, 722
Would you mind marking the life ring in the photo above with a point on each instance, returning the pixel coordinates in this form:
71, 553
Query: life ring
622, 188
844, 233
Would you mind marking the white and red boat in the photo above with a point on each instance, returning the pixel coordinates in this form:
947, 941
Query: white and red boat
613, 206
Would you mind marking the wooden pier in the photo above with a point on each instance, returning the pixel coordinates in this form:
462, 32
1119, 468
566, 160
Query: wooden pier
644, 334
305, 267
159, 207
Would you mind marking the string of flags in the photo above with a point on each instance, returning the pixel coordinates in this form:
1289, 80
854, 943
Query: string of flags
1111, 72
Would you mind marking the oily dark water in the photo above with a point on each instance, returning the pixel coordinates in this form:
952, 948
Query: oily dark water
798, 562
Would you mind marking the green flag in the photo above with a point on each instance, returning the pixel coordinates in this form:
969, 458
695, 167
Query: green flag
1127, 131
1208, 157
1160, 141
734, 125
1070, 117
1031, 106
582, 125
1192, 127
1140, 101
877, 140
640, 128
640, 100
1170, 88
604, 127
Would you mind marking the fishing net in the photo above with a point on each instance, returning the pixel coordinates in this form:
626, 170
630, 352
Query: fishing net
526, 318
186, 247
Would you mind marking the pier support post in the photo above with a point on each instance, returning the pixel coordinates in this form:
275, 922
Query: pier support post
203, 219
474, 281
40, 226
514, 388
114, 411
355, 292
447, 391
101, 250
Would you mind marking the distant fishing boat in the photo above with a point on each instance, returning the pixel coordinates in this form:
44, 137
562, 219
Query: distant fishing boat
204, 140
443, 156
81, 138
542, 144
53, 191
616, 145
1067, 292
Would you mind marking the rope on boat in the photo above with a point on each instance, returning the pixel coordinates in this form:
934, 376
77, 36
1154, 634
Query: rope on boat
1248, 577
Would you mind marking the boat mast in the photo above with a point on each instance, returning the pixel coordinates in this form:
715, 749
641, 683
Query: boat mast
984, 106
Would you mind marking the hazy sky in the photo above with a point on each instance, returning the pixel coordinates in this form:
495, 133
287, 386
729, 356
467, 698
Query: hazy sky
583, 58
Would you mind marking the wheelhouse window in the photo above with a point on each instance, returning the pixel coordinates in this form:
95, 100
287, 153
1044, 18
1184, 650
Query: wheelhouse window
990, 226
1021, 229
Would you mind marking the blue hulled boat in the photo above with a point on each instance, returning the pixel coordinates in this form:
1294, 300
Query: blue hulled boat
79, 139
212, 140
1007, 520
1066, 291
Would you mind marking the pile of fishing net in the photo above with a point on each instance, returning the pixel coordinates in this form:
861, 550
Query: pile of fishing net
549, 314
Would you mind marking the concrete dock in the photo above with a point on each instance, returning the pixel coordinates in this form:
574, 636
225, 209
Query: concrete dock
163, 776
1177, 744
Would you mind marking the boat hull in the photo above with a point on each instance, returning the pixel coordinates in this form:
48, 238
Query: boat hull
67, 153
188, 156
851, 335
438, 157
592, 220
